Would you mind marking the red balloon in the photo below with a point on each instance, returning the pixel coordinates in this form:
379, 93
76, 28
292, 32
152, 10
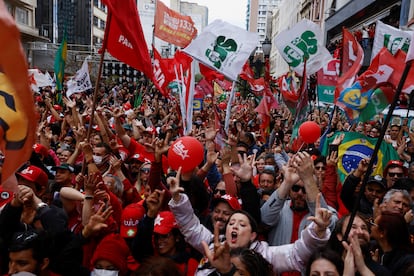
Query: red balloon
186, 152
222, 105
309, 132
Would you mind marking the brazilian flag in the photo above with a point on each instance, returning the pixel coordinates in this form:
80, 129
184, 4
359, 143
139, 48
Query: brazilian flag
60, 61
357, 146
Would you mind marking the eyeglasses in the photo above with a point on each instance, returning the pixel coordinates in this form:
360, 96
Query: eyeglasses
296, 189
391, 174
162, 237
320, 168
221, 192
145, 170
372, 223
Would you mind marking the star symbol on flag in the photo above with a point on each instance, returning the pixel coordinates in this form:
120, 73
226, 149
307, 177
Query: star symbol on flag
32, 80
158, 220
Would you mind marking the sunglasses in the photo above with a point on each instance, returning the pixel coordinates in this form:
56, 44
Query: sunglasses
296, 189
221, 192
391, 174
320, 168
145, 170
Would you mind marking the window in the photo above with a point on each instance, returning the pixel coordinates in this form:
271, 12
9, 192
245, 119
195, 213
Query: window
22, 16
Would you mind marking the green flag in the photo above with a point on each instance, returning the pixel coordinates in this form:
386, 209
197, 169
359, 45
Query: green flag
357, 146
60, 61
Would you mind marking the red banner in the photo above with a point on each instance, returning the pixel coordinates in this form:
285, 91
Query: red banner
126, 40
173, 27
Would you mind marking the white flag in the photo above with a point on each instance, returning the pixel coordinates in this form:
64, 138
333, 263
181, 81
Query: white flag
80, 82
38, 80
224, 47
410, 53
49, 77
390, 38
303, 41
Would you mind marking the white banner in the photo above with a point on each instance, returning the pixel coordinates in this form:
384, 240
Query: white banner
390, 38
303, 41
80, 82
223, 47
38, 80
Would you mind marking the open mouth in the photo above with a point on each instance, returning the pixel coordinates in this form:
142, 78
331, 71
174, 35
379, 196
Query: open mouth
233, 237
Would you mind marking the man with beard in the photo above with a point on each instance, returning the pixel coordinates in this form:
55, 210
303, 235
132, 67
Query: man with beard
359, 237
287, 209
28, 252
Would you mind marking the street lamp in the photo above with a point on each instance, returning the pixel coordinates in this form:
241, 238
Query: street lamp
257, 62
266, 47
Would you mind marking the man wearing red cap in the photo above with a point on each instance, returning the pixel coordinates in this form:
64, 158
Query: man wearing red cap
35, 178
393, 170
223, 207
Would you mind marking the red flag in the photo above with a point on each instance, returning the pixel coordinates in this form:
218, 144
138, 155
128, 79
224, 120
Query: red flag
352, 57
257, 85
158, 78
408, 86
17, 114
125, 38
210, 74
268, 102
247, 73
204, 87
173, 27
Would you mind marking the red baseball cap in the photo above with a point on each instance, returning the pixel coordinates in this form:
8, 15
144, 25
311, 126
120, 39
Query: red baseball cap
394, 164
131, 215
40, 149
34, 174
230, 200
164, 223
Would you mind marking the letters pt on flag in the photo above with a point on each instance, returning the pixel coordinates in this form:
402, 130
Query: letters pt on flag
224, 47
17, 115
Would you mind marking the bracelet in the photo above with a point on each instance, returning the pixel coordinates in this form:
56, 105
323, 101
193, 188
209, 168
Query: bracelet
88, 197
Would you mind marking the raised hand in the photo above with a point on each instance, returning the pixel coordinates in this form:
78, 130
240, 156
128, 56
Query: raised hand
97, 221
154, 202
303, 164
174, 184
220, 256
245, 171
322, 217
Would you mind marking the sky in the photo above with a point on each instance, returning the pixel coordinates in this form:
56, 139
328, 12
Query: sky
231, 11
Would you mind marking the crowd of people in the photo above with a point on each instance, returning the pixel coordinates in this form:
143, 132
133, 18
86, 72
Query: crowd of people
98, 197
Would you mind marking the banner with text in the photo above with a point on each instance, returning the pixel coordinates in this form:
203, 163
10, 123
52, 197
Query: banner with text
173, 27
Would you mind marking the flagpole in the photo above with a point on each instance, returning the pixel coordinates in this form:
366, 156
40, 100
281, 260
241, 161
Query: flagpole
98, 79
377, 146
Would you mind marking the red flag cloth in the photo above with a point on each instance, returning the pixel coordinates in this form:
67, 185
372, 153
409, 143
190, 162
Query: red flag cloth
125, 38
247, 73
210, 74
173, 27
257, 85
267, 103
352, 57
159, 78
17, 114
204, 87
